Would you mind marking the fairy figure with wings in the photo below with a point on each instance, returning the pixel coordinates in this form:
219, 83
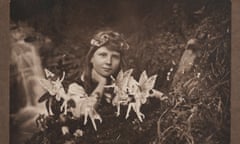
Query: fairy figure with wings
141, 90
120, 89
83, 104
55, 95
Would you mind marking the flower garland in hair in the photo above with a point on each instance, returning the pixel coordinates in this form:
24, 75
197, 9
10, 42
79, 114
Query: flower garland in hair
104, 37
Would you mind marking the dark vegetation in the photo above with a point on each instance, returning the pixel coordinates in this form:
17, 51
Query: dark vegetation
198, 108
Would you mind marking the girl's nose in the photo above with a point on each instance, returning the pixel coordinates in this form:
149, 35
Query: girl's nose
109, 60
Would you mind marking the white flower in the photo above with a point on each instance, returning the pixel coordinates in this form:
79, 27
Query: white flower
168, 79
198, 75
78, 133
65, 130
95, 43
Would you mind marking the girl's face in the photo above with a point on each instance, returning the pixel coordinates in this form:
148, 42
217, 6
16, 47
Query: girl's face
105, 62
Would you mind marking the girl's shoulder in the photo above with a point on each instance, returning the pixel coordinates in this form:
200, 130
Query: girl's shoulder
76, 88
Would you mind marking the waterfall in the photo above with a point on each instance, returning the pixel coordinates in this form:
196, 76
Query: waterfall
28, 70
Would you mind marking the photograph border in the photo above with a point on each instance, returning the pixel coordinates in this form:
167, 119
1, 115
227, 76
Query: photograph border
4, 71
235, 71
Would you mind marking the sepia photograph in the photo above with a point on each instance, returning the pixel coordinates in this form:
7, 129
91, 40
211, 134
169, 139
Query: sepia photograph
120, 72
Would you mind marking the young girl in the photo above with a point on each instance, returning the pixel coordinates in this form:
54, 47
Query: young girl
104, 59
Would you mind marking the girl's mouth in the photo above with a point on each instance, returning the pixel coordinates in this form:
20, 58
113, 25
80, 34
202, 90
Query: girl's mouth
107, 69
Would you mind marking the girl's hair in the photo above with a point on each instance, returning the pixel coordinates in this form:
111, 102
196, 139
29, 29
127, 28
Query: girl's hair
112, 41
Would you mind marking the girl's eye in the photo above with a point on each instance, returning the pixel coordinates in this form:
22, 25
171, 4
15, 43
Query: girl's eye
116, 56
103, 54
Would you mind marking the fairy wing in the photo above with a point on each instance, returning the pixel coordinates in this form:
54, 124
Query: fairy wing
119, 78
48, 73
120, 75
145, 86
148, 84
143, 77
128, 73
47, 85
133, 86
122, 79
75, 89
126, 76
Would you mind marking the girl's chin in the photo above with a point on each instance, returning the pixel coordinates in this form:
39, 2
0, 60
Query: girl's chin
106, 74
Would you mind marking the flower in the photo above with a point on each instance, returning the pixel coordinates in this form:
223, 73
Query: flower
104, 37
65, 130
78, 133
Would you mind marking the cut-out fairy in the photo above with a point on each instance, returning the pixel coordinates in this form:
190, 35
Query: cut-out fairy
141, 90
55, 92
84, 105
120, 89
